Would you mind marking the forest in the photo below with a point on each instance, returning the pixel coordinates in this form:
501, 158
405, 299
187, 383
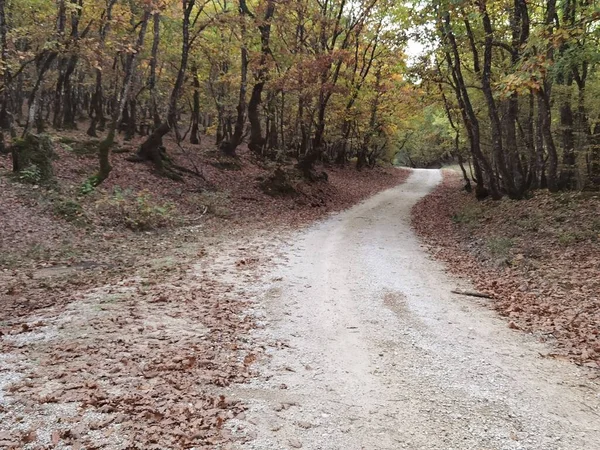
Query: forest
299, 224
505, 88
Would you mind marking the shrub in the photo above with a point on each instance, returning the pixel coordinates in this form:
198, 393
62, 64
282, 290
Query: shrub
69, 210
30, 174
32, 158
136, 211
499, 246
89, 185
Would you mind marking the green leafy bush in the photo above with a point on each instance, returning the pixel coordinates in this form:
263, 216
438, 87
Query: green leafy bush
89, 185
31, 174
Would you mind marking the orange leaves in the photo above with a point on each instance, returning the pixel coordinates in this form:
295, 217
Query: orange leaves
546, 284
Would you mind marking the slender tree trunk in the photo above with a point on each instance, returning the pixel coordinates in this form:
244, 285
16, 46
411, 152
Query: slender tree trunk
43, 64
544, 105
121, 102
5, 119
131, 120
484, 175
150, 150
98, 121
496, 127
152, 77
229, 147
568, 179
194, 133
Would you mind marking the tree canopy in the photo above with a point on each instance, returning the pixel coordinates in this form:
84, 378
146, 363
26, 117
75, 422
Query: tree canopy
507, 88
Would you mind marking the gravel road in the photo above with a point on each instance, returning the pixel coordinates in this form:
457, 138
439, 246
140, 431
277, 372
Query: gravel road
369, 349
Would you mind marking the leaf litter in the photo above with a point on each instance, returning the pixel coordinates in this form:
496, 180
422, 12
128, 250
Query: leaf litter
537, 258
117, 339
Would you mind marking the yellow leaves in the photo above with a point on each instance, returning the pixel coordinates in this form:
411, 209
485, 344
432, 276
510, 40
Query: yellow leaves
518, 83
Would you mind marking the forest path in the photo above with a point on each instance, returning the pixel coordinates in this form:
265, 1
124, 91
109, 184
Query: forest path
370, 350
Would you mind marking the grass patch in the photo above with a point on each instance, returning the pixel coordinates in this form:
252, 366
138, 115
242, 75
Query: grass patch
470, 214
69, 210
500, 246
138, 211
530, 223
215, 202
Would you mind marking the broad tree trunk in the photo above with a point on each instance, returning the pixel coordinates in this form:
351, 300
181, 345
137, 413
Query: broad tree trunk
257, 141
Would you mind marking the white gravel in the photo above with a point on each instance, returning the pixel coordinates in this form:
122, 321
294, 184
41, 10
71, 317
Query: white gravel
370, 350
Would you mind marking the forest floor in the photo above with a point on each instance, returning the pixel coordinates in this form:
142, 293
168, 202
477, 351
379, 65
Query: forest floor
537, 258
126, 309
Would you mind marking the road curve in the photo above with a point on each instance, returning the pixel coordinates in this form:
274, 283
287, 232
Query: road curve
369, 349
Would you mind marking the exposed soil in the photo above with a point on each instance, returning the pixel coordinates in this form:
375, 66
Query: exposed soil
538, 258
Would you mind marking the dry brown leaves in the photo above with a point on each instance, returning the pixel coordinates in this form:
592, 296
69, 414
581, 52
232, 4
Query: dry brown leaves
539, 258
140, 364
118, 339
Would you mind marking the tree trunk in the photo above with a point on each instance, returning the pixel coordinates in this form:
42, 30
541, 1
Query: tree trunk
496, 127
568, 178
5, 119
106, 144
151, 149
152, 77
195, 134
257, 141
484, 175
97, 119
131, 120
229, 147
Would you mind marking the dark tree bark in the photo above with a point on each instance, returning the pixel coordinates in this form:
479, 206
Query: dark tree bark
545, 111
568, 173
257, 141
43, 63
5, 120
98, 121
151, 148
131, 119
229, 146
121, 102
69, 119
496, 127
152, 77
485, 178
194, 133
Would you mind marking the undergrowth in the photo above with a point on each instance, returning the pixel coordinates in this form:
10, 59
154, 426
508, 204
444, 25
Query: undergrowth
138, 211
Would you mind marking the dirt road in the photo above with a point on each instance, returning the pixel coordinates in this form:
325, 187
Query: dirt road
370, 350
